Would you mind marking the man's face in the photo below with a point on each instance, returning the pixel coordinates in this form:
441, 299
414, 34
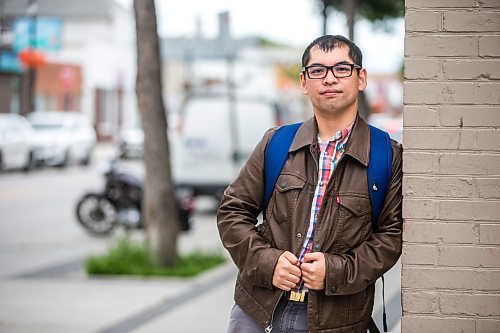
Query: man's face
333, 96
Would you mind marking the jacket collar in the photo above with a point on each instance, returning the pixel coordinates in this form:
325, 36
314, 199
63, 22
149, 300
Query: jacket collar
357, 146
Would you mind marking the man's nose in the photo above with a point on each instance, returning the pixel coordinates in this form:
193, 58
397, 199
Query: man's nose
330, 78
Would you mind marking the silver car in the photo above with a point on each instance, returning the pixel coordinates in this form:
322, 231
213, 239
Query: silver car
63, 137
16, 143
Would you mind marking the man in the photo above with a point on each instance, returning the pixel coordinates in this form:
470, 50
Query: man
312, 264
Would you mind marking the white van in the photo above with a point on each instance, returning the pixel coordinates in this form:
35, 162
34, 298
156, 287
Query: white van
211, 144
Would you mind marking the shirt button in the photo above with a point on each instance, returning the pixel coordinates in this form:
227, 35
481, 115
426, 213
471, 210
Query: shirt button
316, 247
321, 183
334, 290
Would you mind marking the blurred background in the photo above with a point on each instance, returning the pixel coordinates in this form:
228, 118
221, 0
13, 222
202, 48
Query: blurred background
68, 117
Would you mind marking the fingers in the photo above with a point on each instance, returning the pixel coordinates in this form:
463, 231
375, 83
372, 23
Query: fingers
286, 274
313, 256
313, 270
287, 284
290, 257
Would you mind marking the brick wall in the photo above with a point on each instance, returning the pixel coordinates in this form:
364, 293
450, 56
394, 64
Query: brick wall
451, 252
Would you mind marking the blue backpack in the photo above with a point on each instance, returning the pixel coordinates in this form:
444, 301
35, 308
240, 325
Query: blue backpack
379, 174
379, 165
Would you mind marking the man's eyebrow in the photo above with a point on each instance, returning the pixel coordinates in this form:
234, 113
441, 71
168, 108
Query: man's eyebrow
343, 62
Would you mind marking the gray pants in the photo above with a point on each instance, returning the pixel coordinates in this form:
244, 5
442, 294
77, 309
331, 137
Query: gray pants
289, 317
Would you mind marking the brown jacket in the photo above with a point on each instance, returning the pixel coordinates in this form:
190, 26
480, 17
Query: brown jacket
356, 255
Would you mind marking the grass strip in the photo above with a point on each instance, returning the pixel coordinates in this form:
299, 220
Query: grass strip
128, 258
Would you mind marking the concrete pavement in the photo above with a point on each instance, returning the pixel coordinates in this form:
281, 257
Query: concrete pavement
61, 298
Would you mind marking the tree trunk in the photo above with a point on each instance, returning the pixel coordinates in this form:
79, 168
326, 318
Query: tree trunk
350, 11
324, 12
159, 206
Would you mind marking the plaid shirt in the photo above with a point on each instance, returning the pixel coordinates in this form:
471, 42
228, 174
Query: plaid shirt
330, 154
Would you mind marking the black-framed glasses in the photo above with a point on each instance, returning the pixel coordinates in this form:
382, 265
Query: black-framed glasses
320, 71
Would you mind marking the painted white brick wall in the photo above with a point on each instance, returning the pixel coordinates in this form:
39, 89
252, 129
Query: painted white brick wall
451, 186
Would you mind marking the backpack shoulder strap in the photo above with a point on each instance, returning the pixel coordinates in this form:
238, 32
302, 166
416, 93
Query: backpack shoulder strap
379, 170
275, 156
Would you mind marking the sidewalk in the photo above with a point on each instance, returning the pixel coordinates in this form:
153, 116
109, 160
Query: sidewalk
57, 296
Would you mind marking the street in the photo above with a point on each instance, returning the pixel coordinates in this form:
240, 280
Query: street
42, 248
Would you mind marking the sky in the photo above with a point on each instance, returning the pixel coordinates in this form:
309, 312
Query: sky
292, 22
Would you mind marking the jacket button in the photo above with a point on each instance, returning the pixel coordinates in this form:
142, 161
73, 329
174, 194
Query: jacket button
334, 290
316, 247
283, 184
359, 209
299, 235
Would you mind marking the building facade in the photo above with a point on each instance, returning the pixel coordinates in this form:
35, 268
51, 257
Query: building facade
451, 208
91, 69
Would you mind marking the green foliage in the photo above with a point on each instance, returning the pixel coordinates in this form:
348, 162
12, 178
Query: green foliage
291, 71
265, 42
128, 258
372, 10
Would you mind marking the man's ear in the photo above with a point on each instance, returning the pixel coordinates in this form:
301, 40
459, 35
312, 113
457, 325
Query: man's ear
362, 79
303, 87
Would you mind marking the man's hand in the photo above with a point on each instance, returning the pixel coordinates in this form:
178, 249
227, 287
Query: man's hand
314, 270
286, 275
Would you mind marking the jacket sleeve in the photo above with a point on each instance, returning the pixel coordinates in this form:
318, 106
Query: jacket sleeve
352, 272
237, 219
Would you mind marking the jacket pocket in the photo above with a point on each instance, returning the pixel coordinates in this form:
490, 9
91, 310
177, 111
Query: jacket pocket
355, 219
286, 193
361, 305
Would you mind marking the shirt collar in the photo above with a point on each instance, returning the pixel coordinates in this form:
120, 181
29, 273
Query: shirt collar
341, 135
358, 145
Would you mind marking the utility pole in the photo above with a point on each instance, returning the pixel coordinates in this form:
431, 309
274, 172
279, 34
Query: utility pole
33, 14
227, 44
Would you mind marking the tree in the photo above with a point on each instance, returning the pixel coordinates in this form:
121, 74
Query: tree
373, 10
159, 205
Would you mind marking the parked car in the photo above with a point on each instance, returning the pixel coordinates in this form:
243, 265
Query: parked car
131, 142
63, 137
210, 146
131, 139
17, 148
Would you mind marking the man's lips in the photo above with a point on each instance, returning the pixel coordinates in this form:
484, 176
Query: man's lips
331, 92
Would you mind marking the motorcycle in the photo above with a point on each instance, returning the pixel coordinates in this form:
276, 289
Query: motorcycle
120, 204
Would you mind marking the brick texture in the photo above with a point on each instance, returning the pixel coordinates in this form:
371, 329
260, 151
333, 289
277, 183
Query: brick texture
422, 20
418, 68
468, 116
471, 20
471, 69
441, 325
470, 304
451, 184
489, 46
437, 4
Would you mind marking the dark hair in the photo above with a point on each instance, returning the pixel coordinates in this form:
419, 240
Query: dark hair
327, 43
